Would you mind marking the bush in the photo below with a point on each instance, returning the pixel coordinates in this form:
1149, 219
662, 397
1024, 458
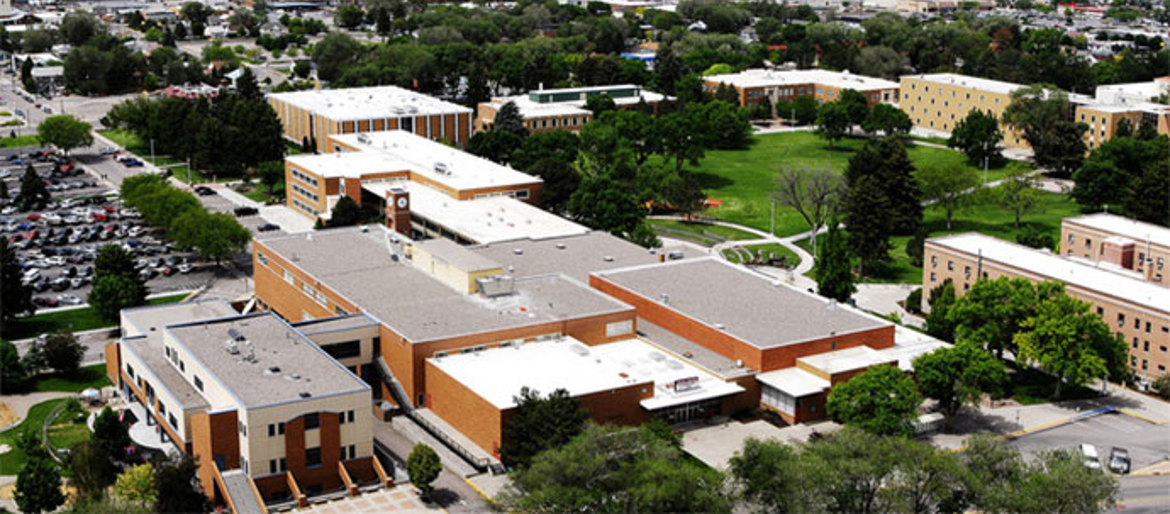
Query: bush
914, 301
1034, 238
1161, 386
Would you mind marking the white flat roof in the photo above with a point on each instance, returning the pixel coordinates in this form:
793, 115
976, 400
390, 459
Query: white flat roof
768, 78
1138, 231
485, 220
348, 164
1047, 266
794, 382
848, 359
1139, 90
365, 103
498, 374
981, 84
530, 109
429, 158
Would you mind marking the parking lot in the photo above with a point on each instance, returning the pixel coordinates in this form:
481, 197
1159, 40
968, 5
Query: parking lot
56, 245
1146, 443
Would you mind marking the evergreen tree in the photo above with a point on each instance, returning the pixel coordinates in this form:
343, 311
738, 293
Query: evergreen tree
1149, 197
110, 434
13, 376
33, 193
1124, 128
834, 267
345, 213
508, 119
540, 423
176, 477
886, 161
869, 220
38, 486
15, 297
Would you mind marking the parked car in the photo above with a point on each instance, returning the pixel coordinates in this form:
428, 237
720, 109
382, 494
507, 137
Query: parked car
1119, 460
204, 191
268, 227
68, 299
185, 268
108, 150
245, 211
1089, 452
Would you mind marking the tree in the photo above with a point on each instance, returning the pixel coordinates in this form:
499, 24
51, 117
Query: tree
136, 487
869, 220
302, 69
727, 125
802, 110
345, 213
1060, 482
495, 145
15, 297
33, 192
1065, 339
560, 181
247, 87
38, 486
349, 16
110, 434
196, 14
65, 132
992, 311
334, 53
540, 423
978, 136
63, 353
768, 474
958, 375
1124, 128
682, 135
93, 469
1147, 199
177, 476
856, 104
509, 119
882, 400
685, 195
811, 192
602, 203
1041, 113
885, 159
111, 294
558, 144
950, 187
834, 273
423, 467
888, 120
880, 61
598, 104
613, 470
1112, 172
78, 27
13, 376
271, 173
832, 121
1017, 192
215, 235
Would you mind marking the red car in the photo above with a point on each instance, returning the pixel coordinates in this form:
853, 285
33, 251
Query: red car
98, 216
67, 167
32, 235
33, 217
109, 208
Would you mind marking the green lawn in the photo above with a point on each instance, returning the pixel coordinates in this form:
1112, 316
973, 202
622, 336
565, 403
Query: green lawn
89, 376
13, 461
704, 234
985, 218
75, 320
744, 179
10, 142
1032, 387
258, 192
134, 144
68, 429
769, 250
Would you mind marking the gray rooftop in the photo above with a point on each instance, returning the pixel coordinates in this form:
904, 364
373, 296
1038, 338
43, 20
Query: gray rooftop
150, 349
746, 305
421, 308
712, 361
324, 325
142, 320
303, 366
575, 256
457, 255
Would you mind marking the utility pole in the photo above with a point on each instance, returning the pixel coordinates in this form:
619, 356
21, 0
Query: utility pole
772, 220
152, 161
985, 158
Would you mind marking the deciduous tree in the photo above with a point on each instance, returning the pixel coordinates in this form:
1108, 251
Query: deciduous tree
978, 136
110, 434
811, 192
887, 119
65, 132
882, 400
539, 423
1017, 193
136, 487
63, 353
423, 467
832, 121
950, 187
958, 375
38, 486
1065, 339
177, 476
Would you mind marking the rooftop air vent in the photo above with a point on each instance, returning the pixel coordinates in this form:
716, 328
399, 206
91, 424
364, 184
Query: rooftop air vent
579, 350
305, 394
720, 326
292, 377
607, 258
560, 246
235, 335
232, 347
518, 251
272, 370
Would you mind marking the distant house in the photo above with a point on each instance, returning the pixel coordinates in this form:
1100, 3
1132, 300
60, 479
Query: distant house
272, 29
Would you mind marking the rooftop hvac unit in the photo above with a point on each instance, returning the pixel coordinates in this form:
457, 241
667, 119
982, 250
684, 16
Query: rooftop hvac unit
495, 286
363, 138
235, 335
232, 346
579, 350
441, 168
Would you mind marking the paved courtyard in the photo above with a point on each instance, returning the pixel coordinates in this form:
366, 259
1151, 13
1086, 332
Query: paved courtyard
402, 498
716, 444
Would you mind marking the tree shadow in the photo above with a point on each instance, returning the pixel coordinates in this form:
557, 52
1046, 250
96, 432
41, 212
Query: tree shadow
973, 421
443, 497
712, 181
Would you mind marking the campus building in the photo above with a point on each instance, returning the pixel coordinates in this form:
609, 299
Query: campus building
753, 86
546, 110
270, 415
1129, 244
1135, 308
424, 189
939, 101
310, 117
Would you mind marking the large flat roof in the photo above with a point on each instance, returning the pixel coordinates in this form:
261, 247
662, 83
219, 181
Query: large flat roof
980, 84
1047, 266
482, 220
153, 318
365, 103
497, 375
756, 309
287, 366
772, 78
348, 164
532, 109
436, 161
575, 255
420, 307
1138, 231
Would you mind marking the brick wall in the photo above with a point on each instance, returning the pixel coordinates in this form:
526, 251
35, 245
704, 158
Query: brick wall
214, 435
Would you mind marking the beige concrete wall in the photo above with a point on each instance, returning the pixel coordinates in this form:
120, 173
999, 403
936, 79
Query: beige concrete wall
144, 375
939, 107
258, 448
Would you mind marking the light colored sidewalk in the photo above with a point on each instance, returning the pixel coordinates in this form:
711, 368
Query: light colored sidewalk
21, 403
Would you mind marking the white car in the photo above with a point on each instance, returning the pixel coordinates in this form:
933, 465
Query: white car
185, 268
68, 299
55, 261
1089, 452
109, 150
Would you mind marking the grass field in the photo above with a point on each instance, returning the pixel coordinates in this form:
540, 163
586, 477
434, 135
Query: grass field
134, 144
68, 428
89, 376
704, 234
13, 461
744, 179
984, 218
75, 320
10, 142
769, 250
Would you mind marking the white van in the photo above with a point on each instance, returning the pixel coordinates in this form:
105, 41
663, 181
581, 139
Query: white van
1089, 452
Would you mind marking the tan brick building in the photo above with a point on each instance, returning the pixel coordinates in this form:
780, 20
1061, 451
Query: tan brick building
310, 117
1137, 310
1110, 239
547, 110
753, 86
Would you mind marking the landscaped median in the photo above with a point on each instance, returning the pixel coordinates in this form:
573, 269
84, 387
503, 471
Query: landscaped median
73, 320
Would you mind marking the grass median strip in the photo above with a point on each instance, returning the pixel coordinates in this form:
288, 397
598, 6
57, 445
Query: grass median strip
74, 320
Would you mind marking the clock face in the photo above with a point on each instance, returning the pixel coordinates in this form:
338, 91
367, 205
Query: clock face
402, 202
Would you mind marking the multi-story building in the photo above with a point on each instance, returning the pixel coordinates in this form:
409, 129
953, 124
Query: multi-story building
753, 86
270, 415
1111, 239
424, 188
1136, 309
310, 117
546, 110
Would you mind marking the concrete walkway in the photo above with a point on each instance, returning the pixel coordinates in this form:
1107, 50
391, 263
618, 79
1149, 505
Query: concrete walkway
21, 403
806, 260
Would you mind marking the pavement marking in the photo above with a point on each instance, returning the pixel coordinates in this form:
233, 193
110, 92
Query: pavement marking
1130, 413
477, 489
1155, 469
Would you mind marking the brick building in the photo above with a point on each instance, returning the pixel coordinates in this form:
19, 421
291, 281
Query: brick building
310, 117
270, 415
753, 86
1136, 309
1129, 244
546, 110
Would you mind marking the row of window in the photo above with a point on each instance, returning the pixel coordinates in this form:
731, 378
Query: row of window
519, 194
308, 179
304, 207
954, 93
305, 193
574, 121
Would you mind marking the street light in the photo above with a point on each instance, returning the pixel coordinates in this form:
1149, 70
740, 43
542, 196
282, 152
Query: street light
986, 156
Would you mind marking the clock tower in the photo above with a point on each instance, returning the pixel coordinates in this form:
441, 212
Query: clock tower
398, 210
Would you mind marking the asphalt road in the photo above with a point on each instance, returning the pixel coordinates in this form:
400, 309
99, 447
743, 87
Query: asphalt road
1147, 444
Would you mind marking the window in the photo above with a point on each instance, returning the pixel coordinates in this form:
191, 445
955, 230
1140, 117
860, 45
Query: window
243, 428
272, 466
950, 265
933, 261
174, 422
312, 421
1147, 327
182, 366
1120, 319
271, 429
283, 465
312, 457
349, 414
1137, 323
288, 276
344, 349
198, 384
522, 194
932, 277
1100, 311
262, 258
1135, 343
280, 428
352, 452
1146, 346
130, 371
